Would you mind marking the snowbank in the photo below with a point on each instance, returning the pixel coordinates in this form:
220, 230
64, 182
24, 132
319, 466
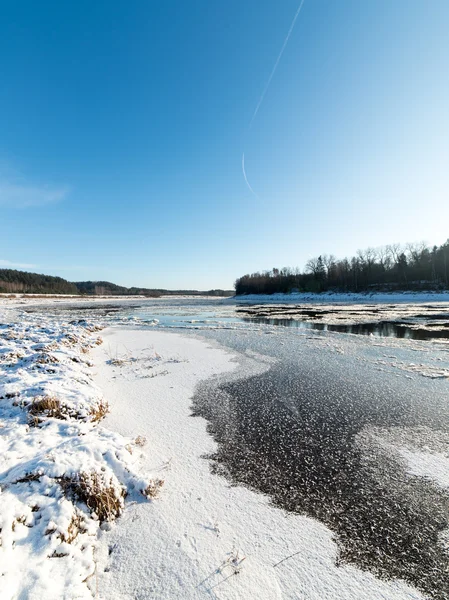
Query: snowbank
61, 473
335, 298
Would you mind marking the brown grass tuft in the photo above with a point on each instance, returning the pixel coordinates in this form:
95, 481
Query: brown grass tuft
48, 406
99, 411
92, 328
50, 347
75, 527
99, 496
140, 441
119, 362
46, 359
153, 488
12, 357
29, 477
70, 339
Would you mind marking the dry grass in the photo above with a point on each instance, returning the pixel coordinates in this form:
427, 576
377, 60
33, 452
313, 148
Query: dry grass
140, 441
21, 520
70, 340
29, 477
92, 327
153, 488
12, 357
46, 406
51, 407
46, 359
99, 411
118, 362
100, 497
50, 347
57, 554
155, 374
13, 335
75, 527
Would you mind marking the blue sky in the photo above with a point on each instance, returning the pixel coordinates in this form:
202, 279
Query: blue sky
123, 126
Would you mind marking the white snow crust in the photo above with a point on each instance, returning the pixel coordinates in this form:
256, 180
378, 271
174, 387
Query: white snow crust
201, 538
204, 538
337, 298
47, 535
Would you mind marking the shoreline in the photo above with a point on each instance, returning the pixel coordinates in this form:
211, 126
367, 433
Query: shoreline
200, 536
62, 473
399, 297
203, 537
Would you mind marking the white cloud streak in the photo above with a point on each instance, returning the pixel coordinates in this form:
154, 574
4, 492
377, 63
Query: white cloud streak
18, 195
7, 264
284, 45
246, 178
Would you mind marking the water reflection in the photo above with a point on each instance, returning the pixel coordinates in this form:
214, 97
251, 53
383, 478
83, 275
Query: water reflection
381, 329
204, 313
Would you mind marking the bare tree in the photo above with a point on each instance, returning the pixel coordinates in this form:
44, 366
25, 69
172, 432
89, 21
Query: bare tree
395, 251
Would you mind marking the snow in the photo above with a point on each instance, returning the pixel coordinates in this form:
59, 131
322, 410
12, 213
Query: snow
200, 537
431, 465
338, 297
204, 538
424, 451
48, 534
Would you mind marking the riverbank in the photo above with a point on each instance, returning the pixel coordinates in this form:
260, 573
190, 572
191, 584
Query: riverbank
344, 297
198, 536
204, 538
62, 474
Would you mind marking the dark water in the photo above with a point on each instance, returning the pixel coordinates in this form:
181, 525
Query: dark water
291, 434
380, 329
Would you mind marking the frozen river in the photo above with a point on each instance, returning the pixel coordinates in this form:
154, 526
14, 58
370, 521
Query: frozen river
349, 429
418, 321
324, 431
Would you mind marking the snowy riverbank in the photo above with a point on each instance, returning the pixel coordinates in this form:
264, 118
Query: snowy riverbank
204, 538
337, 297
201, 537
61, 473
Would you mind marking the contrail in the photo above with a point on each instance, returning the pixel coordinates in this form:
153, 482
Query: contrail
246, 178
261, 99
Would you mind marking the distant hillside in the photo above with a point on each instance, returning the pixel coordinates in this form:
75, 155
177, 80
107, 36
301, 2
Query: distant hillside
106, 288
21, 282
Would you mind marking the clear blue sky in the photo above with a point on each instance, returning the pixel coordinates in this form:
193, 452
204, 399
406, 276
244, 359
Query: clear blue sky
123, 126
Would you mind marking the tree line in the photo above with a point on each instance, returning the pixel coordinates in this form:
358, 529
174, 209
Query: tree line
13, 282
414, 266
22, 282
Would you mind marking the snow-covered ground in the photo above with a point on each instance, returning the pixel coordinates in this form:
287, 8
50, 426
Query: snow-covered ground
204, 538
200, 537
61, 473
337, 297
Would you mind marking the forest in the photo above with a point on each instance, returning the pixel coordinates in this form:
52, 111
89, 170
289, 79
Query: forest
22, 282
414, 266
